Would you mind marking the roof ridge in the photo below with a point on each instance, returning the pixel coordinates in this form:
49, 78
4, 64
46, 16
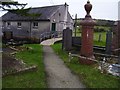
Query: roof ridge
47, 6
46, 11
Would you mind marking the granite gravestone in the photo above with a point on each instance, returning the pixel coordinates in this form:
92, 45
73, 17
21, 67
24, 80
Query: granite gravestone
99, 39
115, 39
67, 39
108, 42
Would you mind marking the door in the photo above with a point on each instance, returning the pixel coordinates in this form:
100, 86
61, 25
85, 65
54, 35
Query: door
53, 28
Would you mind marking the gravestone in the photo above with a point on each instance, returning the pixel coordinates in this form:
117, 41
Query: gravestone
116, 38
108, 42
67, 39
99, 39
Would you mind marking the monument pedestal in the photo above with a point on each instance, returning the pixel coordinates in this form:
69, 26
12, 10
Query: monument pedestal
87, 61
87, 37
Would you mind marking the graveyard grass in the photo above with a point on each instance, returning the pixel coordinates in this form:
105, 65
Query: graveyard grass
96, 38
31, 79
89, 75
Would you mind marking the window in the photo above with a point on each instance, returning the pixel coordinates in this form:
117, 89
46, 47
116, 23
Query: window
8, 25
59, 14
19, 24
35, 24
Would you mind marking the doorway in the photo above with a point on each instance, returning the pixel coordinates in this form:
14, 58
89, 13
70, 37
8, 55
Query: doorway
53, 28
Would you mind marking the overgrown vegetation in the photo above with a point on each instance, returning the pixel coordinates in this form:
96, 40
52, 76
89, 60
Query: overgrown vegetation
34, 79
89, 75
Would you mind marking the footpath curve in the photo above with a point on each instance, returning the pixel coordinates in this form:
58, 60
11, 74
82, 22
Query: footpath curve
58, 75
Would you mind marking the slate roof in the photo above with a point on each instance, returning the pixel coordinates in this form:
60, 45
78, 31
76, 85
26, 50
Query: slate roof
46, 13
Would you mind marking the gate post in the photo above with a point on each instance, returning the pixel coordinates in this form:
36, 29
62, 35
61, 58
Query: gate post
87, 36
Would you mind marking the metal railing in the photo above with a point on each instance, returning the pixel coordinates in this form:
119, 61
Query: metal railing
51, 34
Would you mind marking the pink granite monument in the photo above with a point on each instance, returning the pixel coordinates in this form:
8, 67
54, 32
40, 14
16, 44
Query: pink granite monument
87, 36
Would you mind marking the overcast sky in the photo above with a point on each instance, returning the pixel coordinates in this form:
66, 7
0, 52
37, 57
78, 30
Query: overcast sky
102, 9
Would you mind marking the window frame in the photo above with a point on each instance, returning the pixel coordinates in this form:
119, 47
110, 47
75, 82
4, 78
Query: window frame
19, 24
35, 25
8, 25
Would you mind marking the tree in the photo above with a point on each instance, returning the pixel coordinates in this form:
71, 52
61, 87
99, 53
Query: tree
8, 5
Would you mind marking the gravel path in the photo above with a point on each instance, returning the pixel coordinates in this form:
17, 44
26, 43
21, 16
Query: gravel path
58, 75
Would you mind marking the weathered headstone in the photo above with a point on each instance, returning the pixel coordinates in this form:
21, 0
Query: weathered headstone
116, 38
99, 39
67, 39
108, 42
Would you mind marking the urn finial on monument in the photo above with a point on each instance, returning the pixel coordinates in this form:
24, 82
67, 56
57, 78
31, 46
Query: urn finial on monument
88, 8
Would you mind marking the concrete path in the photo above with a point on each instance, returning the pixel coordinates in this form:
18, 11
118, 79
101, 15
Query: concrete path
50, 41
58, 75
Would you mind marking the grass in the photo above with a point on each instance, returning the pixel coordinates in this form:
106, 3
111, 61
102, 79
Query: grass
103, 36
96, 38
34, 79
89, 75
